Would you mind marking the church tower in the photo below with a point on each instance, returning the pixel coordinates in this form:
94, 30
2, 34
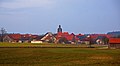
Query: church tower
59, 29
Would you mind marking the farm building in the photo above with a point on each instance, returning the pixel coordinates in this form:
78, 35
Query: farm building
21, 38
114, 43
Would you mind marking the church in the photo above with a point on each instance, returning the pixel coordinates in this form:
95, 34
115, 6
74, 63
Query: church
59, 29
65, 37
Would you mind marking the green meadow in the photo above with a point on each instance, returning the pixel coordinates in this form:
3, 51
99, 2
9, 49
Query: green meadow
57, 55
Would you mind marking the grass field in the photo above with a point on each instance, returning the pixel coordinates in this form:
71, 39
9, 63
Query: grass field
58, 56
47, 45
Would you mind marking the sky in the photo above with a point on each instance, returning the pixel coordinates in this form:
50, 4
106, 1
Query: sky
75, 16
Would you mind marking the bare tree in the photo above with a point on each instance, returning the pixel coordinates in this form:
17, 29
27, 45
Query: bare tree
2, 33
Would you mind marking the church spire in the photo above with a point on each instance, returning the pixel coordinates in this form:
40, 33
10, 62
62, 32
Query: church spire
59, 29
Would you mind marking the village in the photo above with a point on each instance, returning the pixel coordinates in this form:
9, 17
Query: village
112, 39
59, 32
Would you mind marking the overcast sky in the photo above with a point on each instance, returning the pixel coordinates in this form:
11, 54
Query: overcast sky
77, 16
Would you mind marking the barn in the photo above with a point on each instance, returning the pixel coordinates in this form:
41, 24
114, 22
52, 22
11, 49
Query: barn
114, 43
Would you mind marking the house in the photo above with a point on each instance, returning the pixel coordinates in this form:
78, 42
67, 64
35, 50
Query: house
65, 37
114, 43
20, 38
37, 39
12, 38
84, 38
49, 37
100, 38
26, 38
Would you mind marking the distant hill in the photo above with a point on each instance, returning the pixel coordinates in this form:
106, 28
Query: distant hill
114, 34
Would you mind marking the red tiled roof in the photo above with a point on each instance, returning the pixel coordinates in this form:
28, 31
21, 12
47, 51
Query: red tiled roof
26, 35
114, 40
68, 36
34, 36
18, 36
15, 36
